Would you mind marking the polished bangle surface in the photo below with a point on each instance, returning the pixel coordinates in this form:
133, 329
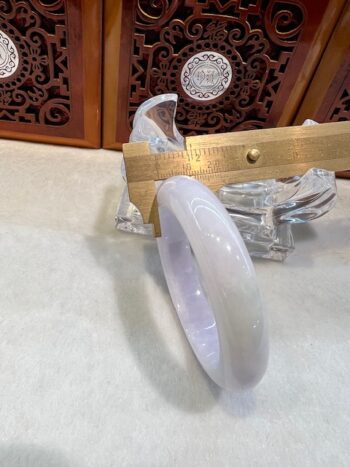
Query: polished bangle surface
212, 283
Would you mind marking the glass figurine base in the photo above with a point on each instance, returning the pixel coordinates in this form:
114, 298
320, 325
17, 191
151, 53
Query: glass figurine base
263, 211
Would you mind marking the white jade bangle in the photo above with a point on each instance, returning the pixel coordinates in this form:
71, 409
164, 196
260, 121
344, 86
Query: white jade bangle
214, 289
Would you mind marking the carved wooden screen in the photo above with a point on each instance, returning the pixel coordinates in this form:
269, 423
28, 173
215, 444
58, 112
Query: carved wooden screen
235, 64
45, 94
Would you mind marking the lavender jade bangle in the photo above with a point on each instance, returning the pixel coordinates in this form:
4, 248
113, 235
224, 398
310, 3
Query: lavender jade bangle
212, 284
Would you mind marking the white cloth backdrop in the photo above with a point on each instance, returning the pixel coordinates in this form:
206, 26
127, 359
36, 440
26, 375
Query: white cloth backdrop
94, 368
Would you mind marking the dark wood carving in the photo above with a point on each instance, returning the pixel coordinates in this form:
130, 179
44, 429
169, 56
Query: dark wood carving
328, 96
257, 41
340, 109
40, 89
263, 41
50, 56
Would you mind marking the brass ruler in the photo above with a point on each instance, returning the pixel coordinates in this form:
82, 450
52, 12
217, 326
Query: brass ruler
235, 157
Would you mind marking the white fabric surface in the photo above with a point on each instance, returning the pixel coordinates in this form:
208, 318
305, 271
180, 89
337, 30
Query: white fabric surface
94, 368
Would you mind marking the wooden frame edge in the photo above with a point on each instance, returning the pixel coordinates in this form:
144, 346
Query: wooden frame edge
92, 10
327, 69
92, 57
112, 37
312, 60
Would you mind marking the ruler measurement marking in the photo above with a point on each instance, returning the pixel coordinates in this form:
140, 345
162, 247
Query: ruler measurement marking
219, 160
156, 167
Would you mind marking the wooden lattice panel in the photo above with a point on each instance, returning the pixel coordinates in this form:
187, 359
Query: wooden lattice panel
235, 64
43, 85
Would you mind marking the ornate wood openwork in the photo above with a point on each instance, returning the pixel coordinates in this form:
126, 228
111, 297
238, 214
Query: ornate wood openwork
340, 110
257, 37
39, 90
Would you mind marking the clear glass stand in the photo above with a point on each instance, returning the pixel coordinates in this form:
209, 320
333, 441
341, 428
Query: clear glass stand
263, 211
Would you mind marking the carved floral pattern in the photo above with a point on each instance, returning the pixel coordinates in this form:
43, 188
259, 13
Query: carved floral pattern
257, 37
39, 90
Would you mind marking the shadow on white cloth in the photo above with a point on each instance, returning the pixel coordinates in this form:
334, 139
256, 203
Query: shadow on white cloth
187, 388
27, 455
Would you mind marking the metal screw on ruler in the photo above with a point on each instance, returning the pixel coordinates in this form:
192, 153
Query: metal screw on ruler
253, 155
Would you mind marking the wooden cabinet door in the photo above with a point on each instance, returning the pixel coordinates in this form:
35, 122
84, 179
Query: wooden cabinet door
50, 70
235, 64
328, 97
